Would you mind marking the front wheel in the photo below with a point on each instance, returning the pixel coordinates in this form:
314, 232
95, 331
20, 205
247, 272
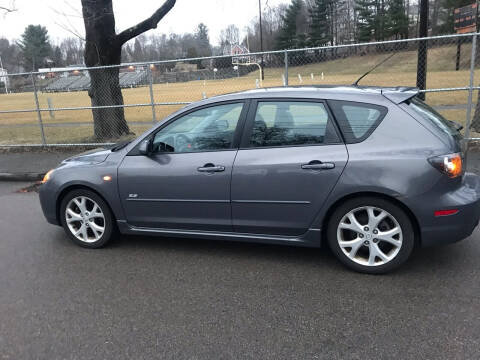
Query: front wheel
87, 219
370, 235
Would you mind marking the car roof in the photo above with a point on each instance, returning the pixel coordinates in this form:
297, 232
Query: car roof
373, 94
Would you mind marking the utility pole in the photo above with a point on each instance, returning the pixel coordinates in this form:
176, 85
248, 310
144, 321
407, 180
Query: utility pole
261, 34
422, 49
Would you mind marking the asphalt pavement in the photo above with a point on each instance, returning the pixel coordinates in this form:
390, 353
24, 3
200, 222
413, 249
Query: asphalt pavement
147, 298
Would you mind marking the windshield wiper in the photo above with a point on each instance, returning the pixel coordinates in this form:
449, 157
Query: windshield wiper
120, 146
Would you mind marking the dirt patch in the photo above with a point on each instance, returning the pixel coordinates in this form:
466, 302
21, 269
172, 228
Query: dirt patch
30, 188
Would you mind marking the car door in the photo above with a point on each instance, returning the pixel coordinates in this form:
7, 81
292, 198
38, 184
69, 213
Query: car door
185, 182
290, 159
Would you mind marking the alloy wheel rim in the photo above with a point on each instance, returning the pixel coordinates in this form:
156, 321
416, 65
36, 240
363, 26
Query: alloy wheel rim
85, 219
369, 236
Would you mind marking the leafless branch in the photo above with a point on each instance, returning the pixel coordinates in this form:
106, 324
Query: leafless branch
147, 24
74, 9
68, 26
70, 30
9, 9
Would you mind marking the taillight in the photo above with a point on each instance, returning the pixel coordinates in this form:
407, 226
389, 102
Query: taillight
450, 164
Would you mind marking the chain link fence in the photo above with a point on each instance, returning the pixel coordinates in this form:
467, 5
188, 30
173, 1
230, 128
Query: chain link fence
80, 106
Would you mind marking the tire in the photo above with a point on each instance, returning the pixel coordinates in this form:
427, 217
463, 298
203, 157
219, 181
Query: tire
95, 226
390, 242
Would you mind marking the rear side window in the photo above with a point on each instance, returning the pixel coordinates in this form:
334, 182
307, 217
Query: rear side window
357, 120
434, 117
292, 123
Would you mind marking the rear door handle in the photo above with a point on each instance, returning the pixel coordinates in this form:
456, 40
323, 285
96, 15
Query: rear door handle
318, 165
211, 168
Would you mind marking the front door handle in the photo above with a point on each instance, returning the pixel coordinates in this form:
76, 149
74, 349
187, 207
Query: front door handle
318, 165
211, 168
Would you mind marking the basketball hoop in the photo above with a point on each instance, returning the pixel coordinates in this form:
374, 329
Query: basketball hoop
241, 57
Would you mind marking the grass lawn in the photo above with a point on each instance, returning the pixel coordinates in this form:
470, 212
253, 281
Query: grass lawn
398, 71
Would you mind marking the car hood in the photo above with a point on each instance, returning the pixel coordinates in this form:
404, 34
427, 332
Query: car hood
94, 156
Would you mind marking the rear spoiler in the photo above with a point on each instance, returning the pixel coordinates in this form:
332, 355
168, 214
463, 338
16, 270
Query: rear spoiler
400, 94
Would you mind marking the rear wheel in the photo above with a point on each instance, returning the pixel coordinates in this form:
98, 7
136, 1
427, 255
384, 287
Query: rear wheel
371, 235
87, 219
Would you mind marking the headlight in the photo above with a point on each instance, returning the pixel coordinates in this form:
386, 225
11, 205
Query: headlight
450, 164
47, 176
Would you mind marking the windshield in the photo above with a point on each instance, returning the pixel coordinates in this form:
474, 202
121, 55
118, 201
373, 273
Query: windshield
428, 113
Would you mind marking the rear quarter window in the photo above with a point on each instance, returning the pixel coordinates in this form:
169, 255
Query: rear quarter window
428, 113
357, 120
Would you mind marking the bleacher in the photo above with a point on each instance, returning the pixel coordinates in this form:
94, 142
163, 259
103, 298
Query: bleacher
61, 84
82, 83
133, 79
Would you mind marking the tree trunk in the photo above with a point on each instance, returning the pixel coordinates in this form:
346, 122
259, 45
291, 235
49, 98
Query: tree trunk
475, 125
436, 5
103, 48
109, 123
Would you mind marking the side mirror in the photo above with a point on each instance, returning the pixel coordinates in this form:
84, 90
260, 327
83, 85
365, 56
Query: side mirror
165, 148
145, 147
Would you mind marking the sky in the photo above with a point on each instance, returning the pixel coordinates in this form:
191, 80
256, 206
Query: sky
184, 17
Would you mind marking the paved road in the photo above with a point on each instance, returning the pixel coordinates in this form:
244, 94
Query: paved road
145, 298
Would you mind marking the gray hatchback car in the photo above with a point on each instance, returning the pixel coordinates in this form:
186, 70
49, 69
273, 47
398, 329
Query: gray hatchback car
372, 172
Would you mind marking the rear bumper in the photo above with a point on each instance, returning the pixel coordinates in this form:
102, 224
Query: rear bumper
451, 228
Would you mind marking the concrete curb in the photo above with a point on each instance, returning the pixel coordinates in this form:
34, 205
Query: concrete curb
21, 176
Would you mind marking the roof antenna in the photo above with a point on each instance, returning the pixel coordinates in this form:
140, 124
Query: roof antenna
369, 71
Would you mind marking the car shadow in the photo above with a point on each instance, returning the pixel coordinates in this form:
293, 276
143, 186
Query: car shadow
223, 248
423, 260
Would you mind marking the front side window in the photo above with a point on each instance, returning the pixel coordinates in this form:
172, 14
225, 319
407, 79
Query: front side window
357, 120
207, 129
291, 123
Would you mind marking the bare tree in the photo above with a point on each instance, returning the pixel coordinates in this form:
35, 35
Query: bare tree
271, 23
7, 7
230, 35
63, 19
103, 46
72, 50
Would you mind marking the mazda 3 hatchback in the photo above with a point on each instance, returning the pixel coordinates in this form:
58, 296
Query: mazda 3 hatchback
372, 172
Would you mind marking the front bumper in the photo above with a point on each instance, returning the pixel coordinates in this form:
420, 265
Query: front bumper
47, 197
451, 228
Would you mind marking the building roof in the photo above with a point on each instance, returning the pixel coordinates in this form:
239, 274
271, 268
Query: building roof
235, 49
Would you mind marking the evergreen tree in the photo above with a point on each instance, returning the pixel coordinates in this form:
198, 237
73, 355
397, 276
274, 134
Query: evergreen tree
380, 19
138, 53
397, 21
288, 38
35, 46
203, 40
366, 20
320, 23
58, 57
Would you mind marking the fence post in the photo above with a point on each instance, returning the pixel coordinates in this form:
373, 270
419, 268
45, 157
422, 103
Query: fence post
286, 68
152, 99
470, 90
39, 113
